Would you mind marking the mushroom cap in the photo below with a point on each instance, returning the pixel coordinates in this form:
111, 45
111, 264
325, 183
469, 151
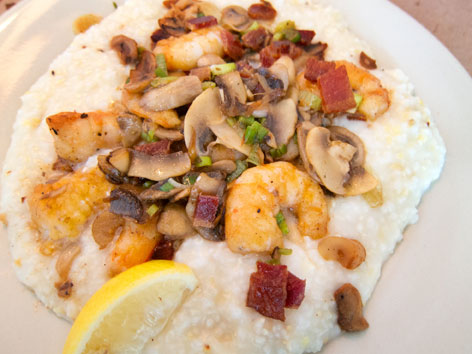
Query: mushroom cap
235, 18
281, 120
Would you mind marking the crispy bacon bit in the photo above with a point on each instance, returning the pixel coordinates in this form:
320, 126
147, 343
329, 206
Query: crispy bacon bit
367, 62
231, 45
173, 25
306, 37
267, 292
202, 22
206, 210
161, 147
316, 50
336, 91
159, 35
349, 304
164, 250
203, 73
275, 50
262, 11
315, 68
295, 291
245, 69
256, 39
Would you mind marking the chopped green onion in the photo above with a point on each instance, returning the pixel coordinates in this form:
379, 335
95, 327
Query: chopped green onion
148, 184
161, 69
115, 5
161, 81
127, 80
309, 99
166, 187
220, 69
200, 14
284, 251
190, 179
149, 136
246, 120
255, 133
254, 156
231, 121
152, 210
358, 98
141, 50
295, 138
252, 27
280, 218
292, 35
284, 25
278, 36
241, 166
274, 261
203, 161
208, 84
280, 151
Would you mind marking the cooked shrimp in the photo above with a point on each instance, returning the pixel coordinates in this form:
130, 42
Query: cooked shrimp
375, 100
79, 135
183, 52
307, 85
259, 194
61, 209
134, 245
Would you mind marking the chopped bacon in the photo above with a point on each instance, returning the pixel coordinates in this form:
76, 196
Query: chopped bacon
159, 35
306, 37
161, 147
231, 45
262, 11
316, 50
275, 50
164, 250
295, 291
206, 210
367, 62
336, 91
245, 69
267, 292
256, 39
202, 22
315, 68
203, 73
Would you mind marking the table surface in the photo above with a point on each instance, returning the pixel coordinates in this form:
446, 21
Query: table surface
449, 20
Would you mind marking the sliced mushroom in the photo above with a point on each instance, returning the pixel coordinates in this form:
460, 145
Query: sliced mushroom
346, 136
65, 259
209, 9
142, 76
226, 166
234, 93
125, 203
173, 25
332, 161
120, 159
178, 93
112, 174
203, 118
126, 48
168, 134
219, 152
292, 151
235, 18
154, 193
105, 227
131, 128
347, 252
174, 222
281, 121
209, 59
284, 69
159, 167
302, 131
349, 306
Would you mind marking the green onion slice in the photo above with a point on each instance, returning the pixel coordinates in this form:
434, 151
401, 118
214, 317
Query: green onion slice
200, 14
280, 218
284, 25
203, 161
279, 152
189, 179
231, 121
161, 69
252, 27
292, 35
166, 187
246, 120
148, 184
278, 36
208, 84
115, 5
254, 156
149, 136
284, 251
274, 261
255, 133
241, 166
152, 210
161, 81
308, 99
220, 69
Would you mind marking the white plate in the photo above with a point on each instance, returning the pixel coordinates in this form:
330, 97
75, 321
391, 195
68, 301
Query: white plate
422, 303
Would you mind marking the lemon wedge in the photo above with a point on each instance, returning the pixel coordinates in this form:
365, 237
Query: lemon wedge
130, 308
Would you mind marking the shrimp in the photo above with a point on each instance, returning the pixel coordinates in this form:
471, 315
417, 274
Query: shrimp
182, 53
61, 209
258, 195
375, 99
79, 135
134, 246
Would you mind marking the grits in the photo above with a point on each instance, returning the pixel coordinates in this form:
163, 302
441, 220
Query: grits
405, 152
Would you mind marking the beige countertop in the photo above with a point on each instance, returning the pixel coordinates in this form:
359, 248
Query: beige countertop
449, 20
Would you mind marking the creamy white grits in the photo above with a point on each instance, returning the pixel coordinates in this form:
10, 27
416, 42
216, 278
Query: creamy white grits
404, 151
